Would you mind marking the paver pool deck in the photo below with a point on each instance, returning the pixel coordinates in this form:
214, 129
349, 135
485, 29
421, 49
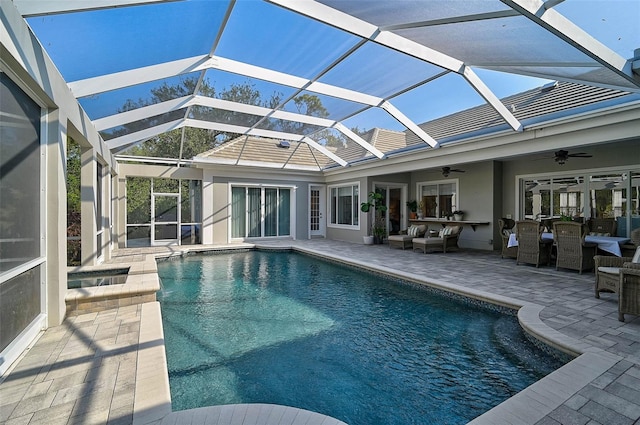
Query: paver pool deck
110, 366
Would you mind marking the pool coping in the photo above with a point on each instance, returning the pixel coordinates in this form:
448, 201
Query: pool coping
140, 286
152, 393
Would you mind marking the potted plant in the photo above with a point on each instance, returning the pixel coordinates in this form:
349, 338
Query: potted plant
413, 208
379, 231
458, 215
376, 205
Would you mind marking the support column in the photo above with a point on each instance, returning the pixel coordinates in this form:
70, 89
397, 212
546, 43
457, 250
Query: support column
88, 206
208, 208
121, 212
56, 218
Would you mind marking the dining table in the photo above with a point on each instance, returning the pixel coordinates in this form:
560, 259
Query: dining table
610, 244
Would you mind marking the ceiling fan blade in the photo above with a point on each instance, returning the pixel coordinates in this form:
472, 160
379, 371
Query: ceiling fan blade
580, 155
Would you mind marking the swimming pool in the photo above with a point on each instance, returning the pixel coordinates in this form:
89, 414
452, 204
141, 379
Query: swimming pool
99, 278
286, 328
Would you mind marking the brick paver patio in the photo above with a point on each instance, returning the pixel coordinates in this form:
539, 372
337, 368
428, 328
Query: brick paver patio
85, 371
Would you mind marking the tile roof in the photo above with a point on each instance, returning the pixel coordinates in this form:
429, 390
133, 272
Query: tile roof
543, 103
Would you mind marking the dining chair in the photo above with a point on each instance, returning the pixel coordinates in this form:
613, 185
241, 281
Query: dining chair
602, 226
572, 252
532, 249
505, 226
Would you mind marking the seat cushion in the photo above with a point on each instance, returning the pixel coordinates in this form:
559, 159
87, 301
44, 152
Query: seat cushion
400, 237
428, 241
609, 270
636, 256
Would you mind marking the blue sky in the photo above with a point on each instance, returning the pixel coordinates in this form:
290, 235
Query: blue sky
113, 40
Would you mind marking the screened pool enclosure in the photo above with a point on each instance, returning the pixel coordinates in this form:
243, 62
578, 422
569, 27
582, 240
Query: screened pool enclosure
147, 122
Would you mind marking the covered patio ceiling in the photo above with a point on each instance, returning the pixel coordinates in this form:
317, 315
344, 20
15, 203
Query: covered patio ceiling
173, 79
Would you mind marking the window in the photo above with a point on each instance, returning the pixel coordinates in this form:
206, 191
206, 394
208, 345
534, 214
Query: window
582, 196
21, 250
260, 211
344, 205
437, 199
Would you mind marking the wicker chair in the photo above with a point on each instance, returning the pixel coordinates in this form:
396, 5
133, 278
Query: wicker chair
446, 242
531, 248
630, 247
404, 239
506, 225
572, 252
602, 225
629, 294
608, 268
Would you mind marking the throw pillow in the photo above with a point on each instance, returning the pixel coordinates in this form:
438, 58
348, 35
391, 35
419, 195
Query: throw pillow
412, 230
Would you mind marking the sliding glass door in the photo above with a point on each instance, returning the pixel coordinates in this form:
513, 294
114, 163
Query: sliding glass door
260, 212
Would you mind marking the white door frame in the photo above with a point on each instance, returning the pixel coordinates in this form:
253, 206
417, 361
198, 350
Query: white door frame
404, 217
164, 242
321, 231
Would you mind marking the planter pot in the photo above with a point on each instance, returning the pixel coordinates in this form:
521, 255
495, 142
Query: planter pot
412, 215
368, 240
458, 217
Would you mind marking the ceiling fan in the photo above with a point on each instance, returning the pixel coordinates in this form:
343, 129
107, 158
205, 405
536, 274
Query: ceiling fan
562, 156
447, 170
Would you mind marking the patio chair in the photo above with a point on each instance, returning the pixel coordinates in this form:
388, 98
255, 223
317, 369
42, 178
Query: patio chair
572, 252
506, 225
602, 226
403, 240
607, 270
446, 240
629, 293
532, 249
630, 247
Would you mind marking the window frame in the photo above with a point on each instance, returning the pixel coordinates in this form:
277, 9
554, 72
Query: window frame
355, 206
456, 194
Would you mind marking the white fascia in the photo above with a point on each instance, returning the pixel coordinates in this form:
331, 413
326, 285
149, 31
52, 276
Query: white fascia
145, 134
29, 8
265, 133
548, 18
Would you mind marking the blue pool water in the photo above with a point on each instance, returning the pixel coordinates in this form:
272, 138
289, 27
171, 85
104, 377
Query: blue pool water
289, 329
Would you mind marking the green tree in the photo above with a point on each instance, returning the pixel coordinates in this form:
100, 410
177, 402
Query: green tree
73, 175
73, 202
197, 140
